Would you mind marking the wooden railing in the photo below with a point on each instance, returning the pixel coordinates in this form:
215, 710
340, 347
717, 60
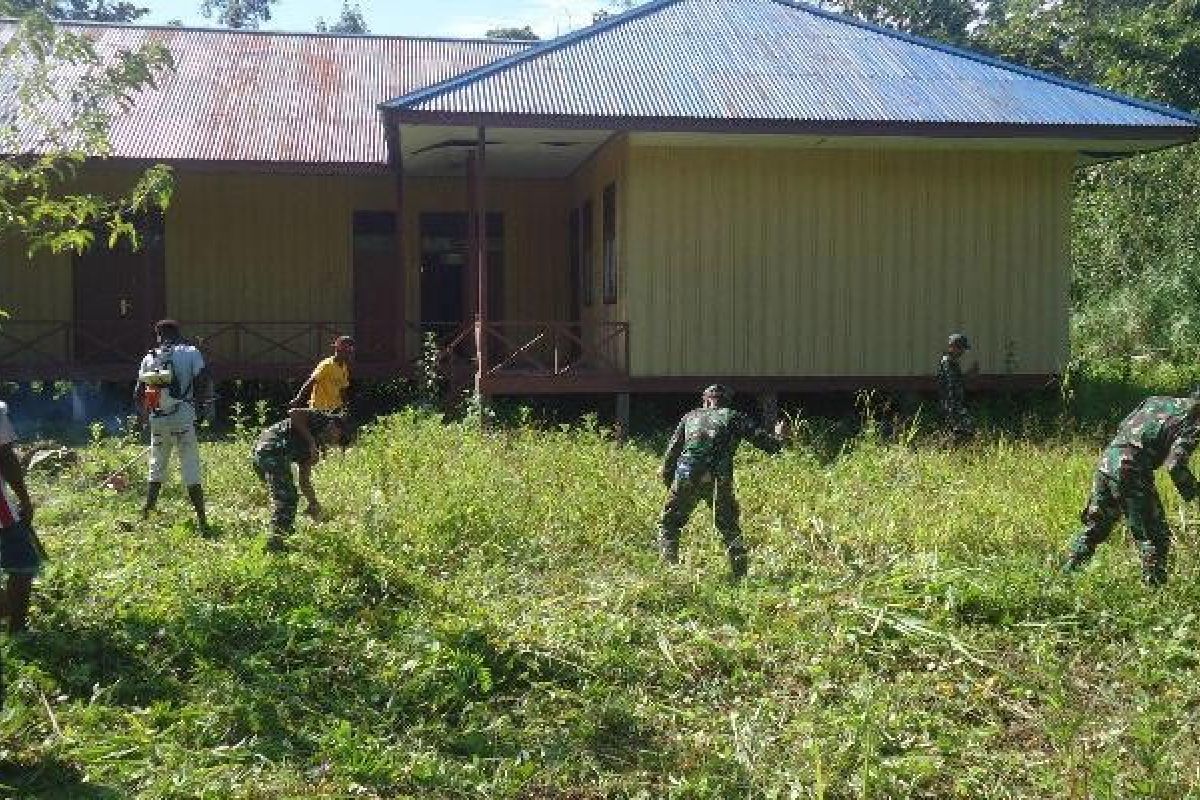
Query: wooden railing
110, 350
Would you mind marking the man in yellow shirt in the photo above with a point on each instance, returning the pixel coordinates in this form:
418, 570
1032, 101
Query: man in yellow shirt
327, 388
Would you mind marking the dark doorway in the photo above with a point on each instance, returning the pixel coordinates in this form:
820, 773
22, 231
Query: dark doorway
119, 294
377, 277
446, 289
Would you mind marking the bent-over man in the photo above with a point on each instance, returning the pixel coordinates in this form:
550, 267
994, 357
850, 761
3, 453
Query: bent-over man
295, 440
699, 465
1161, 432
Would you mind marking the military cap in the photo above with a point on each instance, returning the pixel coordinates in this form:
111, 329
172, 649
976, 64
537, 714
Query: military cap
959, 340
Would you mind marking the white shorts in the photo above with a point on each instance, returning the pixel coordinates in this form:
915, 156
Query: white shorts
169, 433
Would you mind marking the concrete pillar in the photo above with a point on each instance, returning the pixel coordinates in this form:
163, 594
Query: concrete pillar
768, 409
621, 429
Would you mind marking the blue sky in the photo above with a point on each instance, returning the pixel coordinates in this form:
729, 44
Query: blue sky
411, 17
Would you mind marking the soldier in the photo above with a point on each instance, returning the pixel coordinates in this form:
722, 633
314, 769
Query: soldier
298, 440
1162, 431
699, 465
951, 389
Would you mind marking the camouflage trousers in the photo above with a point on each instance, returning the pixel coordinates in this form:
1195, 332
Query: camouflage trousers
1133, 495
682, 499
276, 473
958, 423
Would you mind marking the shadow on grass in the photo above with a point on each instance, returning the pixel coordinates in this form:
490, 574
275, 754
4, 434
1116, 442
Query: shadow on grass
50, 779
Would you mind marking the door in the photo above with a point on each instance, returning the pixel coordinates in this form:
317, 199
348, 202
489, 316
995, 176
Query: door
119, 294
377, 277
447, 290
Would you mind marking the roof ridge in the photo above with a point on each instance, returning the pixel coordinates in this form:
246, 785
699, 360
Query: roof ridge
548, 46
84, 23
993, 61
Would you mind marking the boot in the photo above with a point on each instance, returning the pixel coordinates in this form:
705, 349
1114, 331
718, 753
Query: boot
1154, 564
152, 490
196, 495
739, 565
668, 548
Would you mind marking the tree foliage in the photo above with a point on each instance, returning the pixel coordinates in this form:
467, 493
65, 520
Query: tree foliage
89, 10
350, 20
61, 96
525, 34
238, 13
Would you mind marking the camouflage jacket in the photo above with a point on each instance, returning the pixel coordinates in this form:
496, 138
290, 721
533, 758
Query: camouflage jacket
281, 443
1162, 431
706, 439
951, 389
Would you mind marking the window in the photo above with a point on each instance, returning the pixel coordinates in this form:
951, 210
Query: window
610, 243
586, 252
573, 262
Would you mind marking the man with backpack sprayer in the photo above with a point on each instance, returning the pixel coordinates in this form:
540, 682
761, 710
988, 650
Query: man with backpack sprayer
170, 378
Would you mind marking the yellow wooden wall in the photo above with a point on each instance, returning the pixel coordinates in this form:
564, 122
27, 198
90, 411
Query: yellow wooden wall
844, 263
608, 165
278, 248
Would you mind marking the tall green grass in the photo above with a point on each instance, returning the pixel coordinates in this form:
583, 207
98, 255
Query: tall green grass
483, 615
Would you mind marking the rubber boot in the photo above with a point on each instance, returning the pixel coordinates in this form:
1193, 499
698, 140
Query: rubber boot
1154, 564
668, 548
1078, 555
739, 564
196, 495
152, 490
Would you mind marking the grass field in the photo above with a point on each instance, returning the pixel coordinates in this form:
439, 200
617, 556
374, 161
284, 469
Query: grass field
483, 615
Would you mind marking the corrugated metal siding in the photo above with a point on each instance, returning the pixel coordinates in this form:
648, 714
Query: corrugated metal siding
247, 96
767, 60
844, 263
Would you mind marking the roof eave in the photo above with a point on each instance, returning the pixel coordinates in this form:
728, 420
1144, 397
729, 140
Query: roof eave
1158, 134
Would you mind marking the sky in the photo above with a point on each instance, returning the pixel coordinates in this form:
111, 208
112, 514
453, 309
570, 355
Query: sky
465, 18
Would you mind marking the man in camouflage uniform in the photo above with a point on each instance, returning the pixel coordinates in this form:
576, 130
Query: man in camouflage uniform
1162, 431
952, 391
699, 465
298, 440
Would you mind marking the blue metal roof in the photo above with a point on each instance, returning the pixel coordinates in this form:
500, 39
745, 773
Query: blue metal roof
774, 61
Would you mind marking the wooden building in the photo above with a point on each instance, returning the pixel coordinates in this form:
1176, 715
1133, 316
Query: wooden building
756, 191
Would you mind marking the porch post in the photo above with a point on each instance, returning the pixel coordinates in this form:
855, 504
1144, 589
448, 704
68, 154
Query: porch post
396, 166
481, 248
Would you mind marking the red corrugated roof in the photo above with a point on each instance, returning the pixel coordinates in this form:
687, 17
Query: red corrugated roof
272, 97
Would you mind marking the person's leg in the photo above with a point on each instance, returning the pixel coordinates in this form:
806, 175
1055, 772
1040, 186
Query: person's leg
1148, 525
726, 516
1101, 513
21, 560
189, 467
681, 500
284, 501
160, 457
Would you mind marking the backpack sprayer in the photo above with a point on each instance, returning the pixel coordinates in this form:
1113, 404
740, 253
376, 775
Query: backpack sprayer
160, 385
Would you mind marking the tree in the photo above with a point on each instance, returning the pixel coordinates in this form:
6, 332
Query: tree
46, 67
525, 34
90, 10
238, 13
350, 21
945, 20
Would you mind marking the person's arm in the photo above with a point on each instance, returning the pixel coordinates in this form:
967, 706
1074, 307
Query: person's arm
203, 393
1177, 462
674, 449
306, 487
760, 437
302, 395
14, 476
299, 418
